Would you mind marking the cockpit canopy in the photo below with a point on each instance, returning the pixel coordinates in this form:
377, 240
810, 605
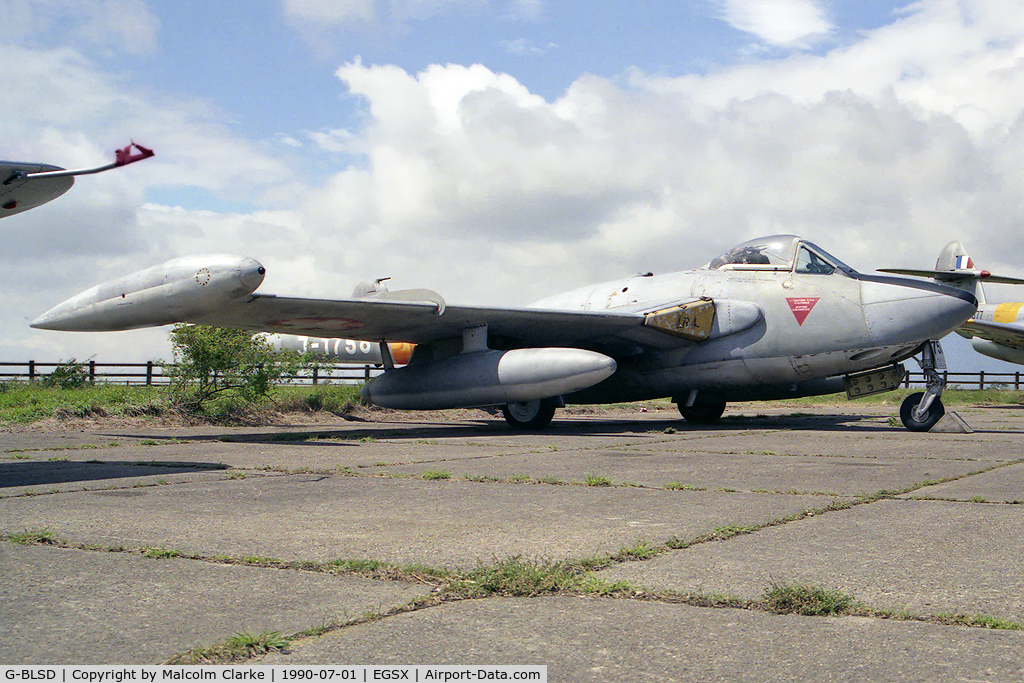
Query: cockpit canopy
780, 253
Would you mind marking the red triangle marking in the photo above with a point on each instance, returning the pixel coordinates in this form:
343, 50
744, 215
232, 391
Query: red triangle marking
801, 307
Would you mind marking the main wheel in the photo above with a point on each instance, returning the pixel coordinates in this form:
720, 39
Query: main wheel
935, 412
530, 414
702, 412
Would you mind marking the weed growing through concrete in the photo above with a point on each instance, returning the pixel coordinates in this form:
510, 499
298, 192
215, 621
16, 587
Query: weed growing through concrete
243, 645
641, 550
481, 478
680, 486
978, 621
810, 601
41, 536
258, 644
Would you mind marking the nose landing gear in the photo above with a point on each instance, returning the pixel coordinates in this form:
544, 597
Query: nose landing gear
922, 410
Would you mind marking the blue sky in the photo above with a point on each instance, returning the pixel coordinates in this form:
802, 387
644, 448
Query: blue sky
498, 151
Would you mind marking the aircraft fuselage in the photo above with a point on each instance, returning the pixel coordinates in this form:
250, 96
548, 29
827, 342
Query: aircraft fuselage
810, 327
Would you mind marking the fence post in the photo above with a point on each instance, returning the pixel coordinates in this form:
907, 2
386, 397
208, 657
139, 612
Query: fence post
149, 373
316, 374
1016, 381
31, 371
92, 372
366, 373
981, 380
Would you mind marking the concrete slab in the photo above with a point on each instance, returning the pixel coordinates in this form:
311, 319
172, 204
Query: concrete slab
78, 607
621, 640
927, 556
659, 465
1003, 485
35, 477
442, 523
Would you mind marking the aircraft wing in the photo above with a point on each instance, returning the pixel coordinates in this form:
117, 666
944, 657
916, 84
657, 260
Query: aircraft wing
1007, 334
423, 322
418, 322
19, 191
24, 186
219, 290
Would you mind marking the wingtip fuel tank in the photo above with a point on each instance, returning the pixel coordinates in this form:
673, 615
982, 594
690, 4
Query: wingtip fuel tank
168, 293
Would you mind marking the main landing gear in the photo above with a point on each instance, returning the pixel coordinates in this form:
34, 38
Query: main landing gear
701, 411
531, 415
922, 410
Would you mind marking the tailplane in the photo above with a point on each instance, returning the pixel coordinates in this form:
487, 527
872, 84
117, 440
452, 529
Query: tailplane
956, 268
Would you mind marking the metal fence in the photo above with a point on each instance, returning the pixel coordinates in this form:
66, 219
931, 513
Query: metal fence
971, 380
154, 372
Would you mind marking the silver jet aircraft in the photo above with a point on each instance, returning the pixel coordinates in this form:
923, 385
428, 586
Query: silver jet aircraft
775, 317
26, 185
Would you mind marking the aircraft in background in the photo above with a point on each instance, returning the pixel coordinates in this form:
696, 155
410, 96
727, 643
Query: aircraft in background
337, 350
28, 185
996, 330
773, 318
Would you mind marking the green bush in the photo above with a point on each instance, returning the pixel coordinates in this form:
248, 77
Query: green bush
231, 367
70, 375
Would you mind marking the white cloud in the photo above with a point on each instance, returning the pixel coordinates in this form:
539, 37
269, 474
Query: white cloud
518, 197
126, 25
527, 10
111, 25
315, 18
405, 10
332, 12
779, 22
524, 46
955, 58
72, 114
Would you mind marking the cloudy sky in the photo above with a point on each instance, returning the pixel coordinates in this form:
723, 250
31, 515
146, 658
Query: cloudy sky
498, 151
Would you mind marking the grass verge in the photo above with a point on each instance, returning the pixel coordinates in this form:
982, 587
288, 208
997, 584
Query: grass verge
23, 403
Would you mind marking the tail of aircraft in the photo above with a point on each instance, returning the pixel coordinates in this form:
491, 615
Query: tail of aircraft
956, 268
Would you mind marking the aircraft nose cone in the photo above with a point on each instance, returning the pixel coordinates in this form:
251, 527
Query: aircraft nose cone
251, 273
900, 310
51, 320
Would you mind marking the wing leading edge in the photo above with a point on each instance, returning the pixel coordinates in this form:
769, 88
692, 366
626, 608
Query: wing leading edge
219, 290
419, 322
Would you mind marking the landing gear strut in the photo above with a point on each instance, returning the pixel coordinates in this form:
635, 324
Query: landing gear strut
922, 410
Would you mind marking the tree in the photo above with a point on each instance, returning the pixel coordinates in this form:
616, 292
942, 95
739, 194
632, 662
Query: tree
211, 362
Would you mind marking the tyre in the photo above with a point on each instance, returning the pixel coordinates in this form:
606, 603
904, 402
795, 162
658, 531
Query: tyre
935, 412
702, 412
530, 414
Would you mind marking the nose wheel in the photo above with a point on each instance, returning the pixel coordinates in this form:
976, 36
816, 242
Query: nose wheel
919, 412
920, 421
